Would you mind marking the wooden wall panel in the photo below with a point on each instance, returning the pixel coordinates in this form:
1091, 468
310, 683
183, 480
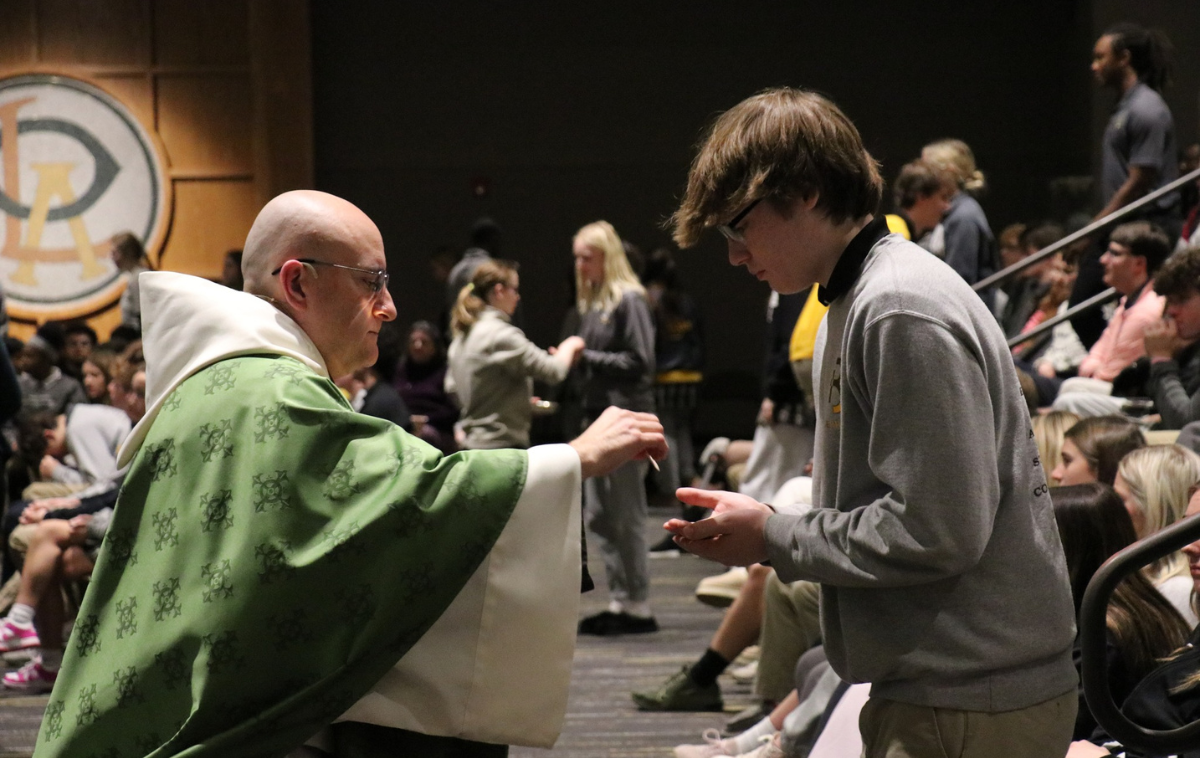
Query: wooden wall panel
283, 117
94, 32
18, 40
135, 90
198, 241
190, 33
226, 85
205, 121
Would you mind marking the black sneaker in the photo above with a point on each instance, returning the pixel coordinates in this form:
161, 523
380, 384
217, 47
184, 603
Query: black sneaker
607, 624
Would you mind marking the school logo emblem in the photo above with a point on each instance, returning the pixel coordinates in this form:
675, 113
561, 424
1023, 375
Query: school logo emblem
76, 167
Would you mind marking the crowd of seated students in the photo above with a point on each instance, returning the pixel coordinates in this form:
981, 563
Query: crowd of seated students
60, 477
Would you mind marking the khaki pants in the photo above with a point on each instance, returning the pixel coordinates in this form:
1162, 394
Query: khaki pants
899, 730
19, 540
43, 490
791, 625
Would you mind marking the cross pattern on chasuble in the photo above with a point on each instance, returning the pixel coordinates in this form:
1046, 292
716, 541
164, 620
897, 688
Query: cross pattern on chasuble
216, 505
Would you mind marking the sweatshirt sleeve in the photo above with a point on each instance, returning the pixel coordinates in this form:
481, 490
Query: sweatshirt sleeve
1170, 397
515, 350
918, 380
86, 505
65, 474
633, 353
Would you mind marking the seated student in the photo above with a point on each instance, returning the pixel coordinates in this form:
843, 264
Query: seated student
922, 197
1049, 430
1169, 696
97, 373
1142, 626
1169, 373
1154, 483
44, 387
1060, 354
93, 435
1092, 449
1033, 283
79, 342
1172, 345
421, 382
1135, 253
60, 552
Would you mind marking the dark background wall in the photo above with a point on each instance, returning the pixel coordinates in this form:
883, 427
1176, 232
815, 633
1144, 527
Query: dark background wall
575, 112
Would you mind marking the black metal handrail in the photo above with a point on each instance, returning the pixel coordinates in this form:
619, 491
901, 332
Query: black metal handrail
1093, 638
1117, 215
1095, 301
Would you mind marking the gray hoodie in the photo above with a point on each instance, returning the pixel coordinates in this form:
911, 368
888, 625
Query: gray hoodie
934, 540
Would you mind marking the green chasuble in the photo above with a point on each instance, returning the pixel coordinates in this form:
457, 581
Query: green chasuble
271, 556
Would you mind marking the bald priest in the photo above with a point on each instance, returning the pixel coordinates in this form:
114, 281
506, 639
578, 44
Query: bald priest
281, 570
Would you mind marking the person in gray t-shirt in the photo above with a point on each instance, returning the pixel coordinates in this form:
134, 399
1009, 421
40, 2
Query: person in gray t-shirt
1139, 152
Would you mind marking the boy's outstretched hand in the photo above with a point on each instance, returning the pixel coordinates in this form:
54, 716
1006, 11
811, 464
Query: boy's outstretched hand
733, 535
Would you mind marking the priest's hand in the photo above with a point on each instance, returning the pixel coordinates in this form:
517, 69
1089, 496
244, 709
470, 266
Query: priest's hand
617, 437
733, 535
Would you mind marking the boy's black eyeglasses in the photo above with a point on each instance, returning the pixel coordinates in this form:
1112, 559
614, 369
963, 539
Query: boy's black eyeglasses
730, 230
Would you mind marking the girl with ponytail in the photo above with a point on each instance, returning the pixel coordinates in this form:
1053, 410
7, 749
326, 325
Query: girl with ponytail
493, 364
968, 244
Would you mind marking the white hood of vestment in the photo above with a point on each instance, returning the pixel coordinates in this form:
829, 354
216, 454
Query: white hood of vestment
189, 323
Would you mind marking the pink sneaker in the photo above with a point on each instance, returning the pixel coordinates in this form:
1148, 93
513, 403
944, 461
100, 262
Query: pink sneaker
32, 677
13, 637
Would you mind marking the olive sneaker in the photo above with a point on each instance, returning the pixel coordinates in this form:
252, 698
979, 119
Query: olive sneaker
680, 693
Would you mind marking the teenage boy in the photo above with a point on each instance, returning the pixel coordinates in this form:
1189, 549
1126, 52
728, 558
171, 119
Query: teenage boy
943, 579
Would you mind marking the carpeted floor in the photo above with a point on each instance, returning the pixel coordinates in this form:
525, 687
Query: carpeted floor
601, 720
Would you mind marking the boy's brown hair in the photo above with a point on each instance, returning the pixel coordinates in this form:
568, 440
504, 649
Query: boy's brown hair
1179, 276
1144, 239
916, 180
780, 144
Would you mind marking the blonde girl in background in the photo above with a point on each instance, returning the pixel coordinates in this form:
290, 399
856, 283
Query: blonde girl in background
1155, 483
616, 367
1049, 429
968, 245
493, 364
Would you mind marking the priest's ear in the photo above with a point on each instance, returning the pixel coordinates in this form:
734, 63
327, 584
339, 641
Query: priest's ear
294, 278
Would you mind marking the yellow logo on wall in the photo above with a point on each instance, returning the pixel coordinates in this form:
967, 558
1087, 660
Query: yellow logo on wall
76, 167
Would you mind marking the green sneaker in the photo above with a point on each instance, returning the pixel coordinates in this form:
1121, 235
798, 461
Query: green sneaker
680, 693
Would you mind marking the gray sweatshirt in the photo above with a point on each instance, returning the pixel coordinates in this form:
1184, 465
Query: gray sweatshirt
934, 540
617, 366
491, 371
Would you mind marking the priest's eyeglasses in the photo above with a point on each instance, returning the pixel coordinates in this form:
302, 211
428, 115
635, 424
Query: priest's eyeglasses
377, 282
730, 230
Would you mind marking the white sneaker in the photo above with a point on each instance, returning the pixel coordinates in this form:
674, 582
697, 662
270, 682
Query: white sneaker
721, 590
745, 674
768, 749
713, 746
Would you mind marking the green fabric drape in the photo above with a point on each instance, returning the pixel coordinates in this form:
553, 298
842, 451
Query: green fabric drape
271, 555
